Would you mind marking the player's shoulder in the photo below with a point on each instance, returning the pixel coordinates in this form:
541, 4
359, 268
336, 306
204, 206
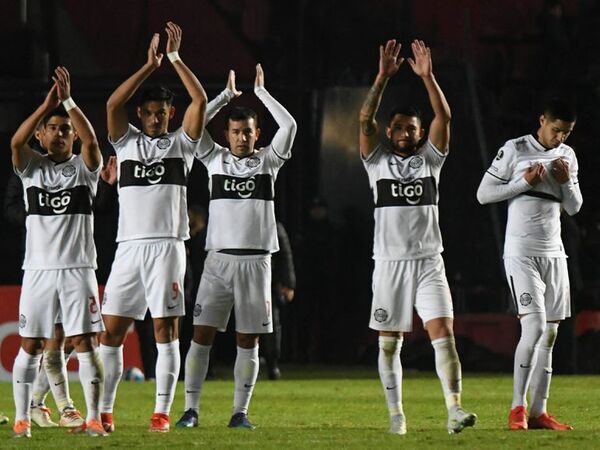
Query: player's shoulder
567, 150
268, 155
519, 144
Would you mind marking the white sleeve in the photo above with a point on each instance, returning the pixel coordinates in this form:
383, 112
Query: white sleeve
217, 103
207, 145
571, 194
492, 190
34, 162
284, 138
119, 144
497, 184
432, 154
502, 166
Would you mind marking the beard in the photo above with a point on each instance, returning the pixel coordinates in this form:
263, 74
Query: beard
404, 148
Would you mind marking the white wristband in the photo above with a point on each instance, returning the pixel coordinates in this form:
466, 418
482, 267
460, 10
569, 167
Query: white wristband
69, 104
173, 56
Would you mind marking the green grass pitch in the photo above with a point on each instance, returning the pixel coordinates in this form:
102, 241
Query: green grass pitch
333, 408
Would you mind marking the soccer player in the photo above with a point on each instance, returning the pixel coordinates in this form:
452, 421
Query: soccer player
409, 269
537, 174
241, 237
53, 354
60, 256
149, 265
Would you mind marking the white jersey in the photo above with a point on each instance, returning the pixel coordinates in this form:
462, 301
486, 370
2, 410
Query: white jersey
406, 196
60, 226
241, 212
152, 184
533, 225
242, 199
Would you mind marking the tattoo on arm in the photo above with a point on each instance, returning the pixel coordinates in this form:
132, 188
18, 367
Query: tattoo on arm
370, 107
368, 128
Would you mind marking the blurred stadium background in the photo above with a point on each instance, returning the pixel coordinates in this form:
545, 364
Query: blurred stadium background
495, 61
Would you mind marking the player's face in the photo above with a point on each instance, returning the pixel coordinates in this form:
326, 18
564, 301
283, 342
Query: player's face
57, 137
155, 117
404, 133
241, 136
552, 133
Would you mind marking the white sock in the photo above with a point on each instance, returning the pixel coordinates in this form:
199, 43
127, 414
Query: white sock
245, 373
168, 363
196, 368
41, 387
532, 329
55, 366
112, 362
24, 370
390, 372
91, 377
542, 373
447, 366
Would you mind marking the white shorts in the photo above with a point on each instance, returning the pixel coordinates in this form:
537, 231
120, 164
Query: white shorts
398, 286
146, 274
69, 296
539, 284
241, 282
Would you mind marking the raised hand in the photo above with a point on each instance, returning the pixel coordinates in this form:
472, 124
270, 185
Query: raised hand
535, 174
231, 84
52, 101
421, 65
174, 37
560, 170
62, 81
154, 58
260, 77
109, 172
389, 60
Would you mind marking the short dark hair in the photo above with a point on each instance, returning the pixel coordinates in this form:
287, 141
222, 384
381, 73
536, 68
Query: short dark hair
408, 111
241, 113
559, 109
156, 93
56, 112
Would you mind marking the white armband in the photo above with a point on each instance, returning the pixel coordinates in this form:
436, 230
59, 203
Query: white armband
68, 104
173, 56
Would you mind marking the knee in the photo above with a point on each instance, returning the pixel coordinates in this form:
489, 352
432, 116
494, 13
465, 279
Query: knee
204, 335
533, 327
439, 328
32, 346
550, 334
390, 345
247, 340
83, 343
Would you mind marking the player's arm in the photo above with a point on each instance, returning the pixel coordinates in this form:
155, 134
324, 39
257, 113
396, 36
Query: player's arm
117, 120
214, 106
493, 189
389, 63
90, 150
569, 186
439, 133
229, 93
284, 137
19, 144
193, 120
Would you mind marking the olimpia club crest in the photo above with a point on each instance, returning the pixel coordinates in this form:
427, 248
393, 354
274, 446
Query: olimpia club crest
252, 162
380, 315
416, 162
525, 299
68, 171
163, 143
